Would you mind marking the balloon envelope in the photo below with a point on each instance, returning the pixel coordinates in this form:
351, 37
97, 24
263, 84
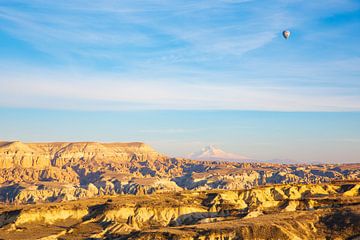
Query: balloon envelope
286, 34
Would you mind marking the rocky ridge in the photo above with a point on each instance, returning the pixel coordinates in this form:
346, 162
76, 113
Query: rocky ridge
288, 211
46, 172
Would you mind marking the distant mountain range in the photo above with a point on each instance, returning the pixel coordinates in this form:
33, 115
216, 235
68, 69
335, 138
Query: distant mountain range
216, 154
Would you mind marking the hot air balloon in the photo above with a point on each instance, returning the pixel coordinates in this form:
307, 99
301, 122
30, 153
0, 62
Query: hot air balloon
286, 34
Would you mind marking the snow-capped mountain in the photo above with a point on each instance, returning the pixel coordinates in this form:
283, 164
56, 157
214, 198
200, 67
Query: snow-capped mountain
216, 154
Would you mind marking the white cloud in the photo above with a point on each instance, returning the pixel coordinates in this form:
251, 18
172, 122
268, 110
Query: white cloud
65, 30
93, 92
173, 42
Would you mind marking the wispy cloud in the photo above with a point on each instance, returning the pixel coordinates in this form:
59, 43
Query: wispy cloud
222, 54
167, 131
200, 26
120, 94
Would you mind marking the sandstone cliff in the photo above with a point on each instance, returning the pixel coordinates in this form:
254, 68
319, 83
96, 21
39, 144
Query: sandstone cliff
43, 155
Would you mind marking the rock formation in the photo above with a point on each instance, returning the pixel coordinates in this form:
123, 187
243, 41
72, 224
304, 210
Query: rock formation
94, 190
45, 172
288, 211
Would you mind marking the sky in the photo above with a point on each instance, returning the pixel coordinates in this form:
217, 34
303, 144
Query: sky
180, 75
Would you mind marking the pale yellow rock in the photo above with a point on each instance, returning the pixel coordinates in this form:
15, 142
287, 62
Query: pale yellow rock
253, 214
291, 206
50, 216
354, 191
41, 155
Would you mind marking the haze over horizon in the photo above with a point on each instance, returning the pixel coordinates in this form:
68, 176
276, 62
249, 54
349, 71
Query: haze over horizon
181, 75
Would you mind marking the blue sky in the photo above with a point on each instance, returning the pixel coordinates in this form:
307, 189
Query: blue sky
192, 60
302, 136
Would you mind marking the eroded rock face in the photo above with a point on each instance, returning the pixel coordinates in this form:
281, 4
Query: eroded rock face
300, 211
42, 172
43, 155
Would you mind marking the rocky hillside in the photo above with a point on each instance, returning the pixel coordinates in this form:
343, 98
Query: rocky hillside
288, 211
46, 172
61, 154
